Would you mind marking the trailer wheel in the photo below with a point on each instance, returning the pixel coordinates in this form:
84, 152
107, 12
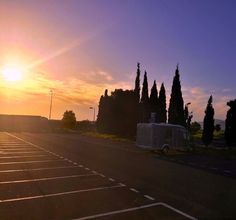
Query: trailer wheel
165, 149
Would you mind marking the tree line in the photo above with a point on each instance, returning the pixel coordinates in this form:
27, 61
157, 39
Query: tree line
119, 112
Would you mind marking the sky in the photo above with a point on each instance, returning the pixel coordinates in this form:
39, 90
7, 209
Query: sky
78, 48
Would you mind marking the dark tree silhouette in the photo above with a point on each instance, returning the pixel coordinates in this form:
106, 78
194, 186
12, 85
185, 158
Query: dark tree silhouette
161, 117
195, 127
137, 83
116, 113
217, 127
187, 116
230, 124
154, 100
208, 123
69, 119
137, 110
104, 116
176, 106
145, 100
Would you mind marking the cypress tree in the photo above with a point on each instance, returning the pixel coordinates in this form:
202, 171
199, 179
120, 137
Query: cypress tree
161, 117
208, 123
176, 106
154, 99
137, 83
144, 97
145, 100
230, 124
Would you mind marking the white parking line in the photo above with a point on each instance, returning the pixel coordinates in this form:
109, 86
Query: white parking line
149, 197
134, 190
28, 156
178, 211
17, 149
102, 175
23, 152
35, 169
134, 209
47, 178
36, 161
59, 194
227, 171
111, 179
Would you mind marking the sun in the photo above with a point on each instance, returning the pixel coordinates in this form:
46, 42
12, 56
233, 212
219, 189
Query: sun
12, 73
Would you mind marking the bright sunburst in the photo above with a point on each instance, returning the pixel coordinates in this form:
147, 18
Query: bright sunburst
12, 73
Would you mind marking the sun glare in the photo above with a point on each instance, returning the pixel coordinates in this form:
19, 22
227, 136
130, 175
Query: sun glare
12, 73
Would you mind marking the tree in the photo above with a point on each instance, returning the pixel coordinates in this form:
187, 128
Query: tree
195, 127
187, 116
137, 83
208, 123
69, 119
137, 95
230, 124
104, 117
154, 100
218, 127
145, 100
176, 106
116, 114
161, 117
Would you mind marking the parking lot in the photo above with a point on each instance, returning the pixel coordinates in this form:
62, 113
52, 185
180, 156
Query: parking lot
36, 183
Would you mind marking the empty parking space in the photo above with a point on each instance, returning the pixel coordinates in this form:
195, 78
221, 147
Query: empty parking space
54, 187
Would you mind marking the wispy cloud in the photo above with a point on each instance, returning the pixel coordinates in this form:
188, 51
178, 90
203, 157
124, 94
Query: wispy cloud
82, 91
199, 98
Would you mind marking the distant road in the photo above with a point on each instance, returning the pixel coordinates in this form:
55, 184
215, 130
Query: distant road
66, 176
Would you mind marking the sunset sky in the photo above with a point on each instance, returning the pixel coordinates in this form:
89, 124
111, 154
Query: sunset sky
79, 48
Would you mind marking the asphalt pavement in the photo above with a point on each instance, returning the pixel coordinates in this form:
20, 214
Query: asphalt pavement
70, 176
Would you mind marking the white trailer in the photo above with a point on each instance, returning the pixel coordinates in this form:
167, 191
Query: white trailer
161, 136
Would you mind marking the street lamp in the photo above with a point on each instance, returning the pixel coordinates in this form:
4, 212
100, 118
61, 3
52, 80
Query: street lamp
50, 109
93, 113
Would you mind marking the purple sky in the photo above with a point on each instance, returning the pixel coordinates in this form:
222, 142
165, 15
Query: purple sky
76, 46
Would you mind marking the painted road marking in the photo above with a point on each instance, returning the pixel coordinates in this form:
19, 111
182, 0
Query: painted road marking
102, 175
134, 190
92, 189
149, 197
59, 194
227, 171
35, 161
23, 152
45, 179
9, 157
35, 169
17, 149
134, 209
178, 211
111, 179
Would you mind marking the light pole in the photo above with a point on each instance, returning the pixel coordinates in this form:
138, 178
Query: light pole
50, 109
93, 113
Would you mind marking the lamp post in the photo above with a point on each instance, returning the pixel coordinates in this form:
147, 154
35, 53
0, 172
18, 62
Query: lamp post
50, 109
93, 113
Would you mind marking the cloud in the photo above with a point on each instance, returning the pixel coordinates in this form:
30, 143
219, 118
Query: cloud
199, 98
82, 92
